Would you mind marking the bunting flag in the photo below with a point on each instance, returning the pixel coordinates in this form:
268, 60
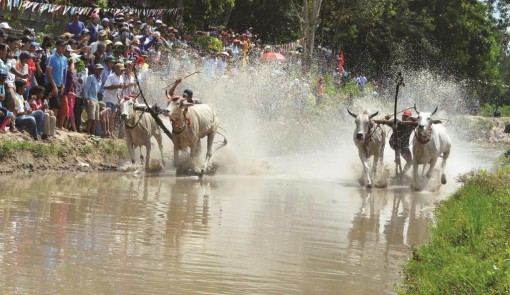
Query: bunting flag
69, 10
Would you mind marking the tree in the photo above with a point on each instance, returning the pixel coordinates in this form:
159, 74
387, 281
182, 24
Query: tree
308, 15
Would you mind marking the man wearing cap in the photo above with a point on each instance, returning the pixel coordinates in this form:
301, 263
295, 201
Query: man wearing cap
76, 26
112, 90
5, 26
94, 27
187, 93
3, 36
56, 67
90, 96
399, 140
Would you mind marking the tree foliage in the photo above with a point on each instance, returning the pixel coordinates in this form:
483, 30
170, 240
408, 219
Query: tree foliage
460, 38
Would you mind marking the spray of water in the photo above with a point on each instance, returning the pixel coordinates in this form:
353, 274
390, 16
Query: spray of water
270, 132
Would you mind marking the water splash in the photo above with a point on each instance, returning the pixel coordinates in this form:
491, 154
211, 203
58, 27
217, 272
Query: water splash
269, 134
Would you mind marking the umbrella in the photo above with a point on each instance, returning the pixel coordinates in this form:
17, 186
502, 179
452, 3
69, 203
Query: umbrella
273, 56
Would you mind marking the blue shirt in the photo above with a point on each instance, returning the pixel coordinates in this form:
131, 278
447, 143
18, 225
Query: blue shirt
58, 65
76, 28
91, 88
93, 32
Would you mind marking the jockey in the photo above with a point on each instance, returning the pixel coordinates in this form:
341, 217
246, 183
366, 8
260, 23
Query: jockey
399, 140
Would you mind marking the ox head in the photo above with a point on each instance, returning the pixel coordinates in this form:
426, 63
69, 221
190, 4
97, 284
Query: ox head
178, 116
172, 103
363, 123
126, 107
424, 120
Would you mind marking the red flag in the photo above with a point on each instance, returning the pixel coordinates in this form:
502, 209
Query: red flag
341, 63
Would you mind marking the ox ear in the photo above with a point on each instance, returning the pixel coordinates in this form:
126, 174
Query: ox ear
352, 114
373, 115
416, 109
435, 111
437, 122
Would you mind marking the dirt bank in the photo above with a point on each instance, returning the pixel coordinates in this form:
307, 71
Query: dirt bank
67, 151
483, 129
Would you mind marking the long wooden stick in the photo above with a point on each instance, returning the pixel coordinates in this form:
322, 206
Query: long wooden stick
151, 111
181, 79
399, 81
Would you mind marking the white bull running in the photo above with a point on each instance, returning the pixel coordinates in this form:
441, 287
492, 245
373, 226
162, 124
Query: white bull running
139, 128
190, 123
430, 142
370, 140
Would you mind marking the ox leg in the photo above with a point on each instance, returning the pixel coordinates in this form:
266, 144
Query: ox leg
148, 148
176, 155
131, 153
432, 165
415, 171
208, 155
366, 169
141, 156
160, 145
443, 164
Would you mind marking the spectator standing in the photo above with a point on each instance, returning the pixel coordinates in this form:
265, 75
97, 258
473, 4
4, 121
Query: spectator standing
76, 26
112, 90
56, 68
90, 97
94, 27
319, 91
82, 72
5, 115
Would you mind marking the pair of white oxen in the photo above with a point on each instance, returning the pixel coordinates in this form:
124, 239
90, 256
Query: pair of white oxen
430, 142
190, 123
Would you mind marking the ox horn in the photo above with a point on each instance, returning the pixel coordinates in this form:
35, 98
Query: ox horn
435, 110
373, 115
418, 112
437, 122
166, 93
352, 114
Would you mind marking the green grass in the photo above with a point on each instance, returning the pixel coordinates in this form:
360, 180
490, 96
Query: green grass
469, 252
10, 147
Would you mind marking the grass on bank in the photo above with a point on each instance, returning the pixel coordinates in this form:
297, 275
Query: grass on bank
9, 147
469, 251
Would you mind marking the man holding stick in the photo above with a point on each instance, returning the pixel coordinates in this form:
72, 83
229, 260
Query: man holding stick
399, 140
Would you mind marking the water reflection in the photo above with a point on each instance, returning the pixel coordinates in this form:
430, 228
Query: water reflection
115, 233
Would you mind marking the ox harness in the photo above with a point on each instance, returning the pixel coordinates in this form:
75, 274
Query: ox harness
133, 122
423, 139
368, 136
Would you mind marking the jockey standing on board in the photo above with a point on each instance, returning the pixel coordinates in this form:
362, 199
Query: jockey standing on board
399, 140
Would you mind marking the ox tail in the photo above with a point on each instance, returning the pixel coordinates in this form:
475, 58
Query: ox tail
224, 143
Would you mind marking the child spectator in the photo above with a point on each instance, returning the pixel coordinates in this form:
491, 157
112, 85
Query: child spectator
37, 102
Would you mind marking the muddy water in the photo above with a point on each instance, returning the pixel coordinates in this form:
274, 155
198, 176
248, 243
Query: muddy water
158, 234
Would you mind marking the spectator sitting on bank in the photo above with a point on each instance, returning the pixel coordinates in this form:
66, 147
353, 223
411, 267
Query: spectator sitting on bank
5, 115
37, 102
25, 117
496, 113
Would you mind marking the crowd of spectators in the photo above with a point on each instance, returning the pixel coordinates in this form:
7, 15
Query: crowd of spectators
49, 83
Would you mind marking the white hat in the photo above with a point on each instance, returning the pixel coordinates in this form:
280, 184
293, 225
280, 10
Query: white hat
159, 21
5, 25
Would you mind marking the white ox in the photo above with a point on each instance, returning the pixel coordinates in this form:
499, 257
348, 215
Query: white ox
430, 142
139, 128
369, 139
190, 123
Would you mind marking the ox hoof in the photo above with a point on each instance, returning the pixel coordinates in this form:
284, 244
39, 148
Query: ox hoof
369, 186
443, 179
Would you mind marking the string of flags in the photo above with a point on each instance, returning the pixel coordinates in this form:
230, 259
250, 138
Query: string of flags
70, 10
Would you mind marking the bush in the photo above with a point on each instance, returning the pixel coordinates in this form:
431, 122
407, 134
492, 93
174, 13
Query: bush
487, 110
